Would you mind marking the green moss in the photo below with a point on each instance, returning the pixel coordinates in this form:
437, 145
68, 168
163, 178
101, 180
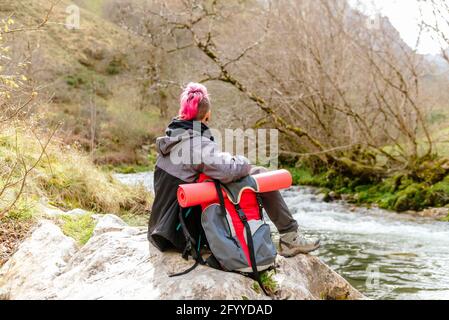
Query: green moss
400, 192
23, 210
135, 220
439, 193
413, 197
386, 201
114, 67
268, 281
79, 228
88, 80
305, 176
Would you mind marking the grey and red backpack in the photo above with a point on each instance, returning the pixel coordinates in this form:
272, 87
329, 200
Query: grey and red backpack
232, 228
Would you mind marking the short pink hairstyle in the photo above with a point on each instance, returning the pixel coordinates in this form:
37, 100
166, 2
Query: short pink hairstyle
194, 102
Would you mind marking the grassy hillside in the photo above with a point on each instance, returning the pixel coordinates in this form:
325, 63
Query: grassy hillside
87, 83
97, 80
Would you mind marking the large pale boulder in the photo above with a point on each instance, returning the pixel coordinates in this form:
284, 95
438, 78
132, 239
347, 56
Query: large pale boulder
37, 263
118, 263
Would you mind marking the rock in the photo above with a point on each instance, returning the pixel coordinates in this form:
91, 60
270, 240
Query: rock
321, 197
77, 212
37, 263
48, 211
326, 197
109, 223
118, 263
334, 196
434, 213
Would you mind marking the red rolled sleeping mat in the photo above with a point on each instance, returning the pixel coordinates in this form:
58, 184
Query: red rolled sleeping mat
194, 194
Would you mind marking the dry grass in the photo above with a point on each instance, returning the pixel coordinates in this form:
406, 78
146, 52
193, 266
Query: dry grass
68, 179
12, 232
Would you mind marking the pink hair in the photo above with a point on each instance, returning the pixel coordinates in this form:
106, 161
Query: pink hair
191, 97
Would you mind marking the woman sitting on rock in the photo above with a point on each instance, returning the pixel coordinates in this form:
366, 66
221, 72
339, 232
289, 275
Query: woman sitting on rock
189, 131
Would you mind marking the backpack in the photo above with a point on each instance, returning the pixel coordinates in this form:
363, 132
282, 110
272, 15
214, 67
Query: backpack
234, 230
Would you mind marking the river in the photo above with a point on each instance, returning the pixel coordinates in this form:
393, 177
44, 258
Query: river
384, 255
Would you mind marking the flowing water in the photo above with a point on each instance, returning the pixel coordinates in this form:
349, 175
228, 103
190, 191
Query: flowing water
384, 255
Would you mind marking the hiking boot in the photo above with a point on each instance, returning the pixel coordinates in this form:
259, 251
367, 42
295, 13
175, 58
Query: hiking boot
294, 243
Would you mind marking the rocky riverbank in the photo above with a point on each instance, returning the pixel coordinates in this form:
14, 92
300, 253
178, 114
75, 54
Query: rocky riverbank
118, 263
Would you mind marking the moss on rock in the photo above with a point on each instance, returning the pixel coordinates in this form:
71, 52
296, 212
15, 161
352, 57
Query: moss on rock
400, 192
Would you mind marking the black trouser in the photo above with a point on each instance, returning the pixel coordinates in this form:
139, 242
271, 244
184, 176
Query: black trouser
276, 208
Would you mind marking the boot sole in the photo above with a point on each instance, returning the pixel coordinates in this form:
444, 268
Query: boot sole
293, 253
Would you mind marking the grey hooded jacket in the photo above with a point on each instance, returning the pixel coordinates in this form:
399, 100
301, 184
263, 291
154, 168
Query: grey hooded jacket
186, 150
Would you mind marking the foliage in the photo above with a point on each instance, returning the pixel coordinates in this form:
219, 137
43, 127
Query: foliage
23, 210
12, 79
79, 228
268, 281
400, 192
15, 98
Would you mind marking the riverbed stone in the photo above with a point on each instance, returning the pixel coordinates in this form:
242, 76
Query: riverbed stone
434, 213
77, 212
118, 263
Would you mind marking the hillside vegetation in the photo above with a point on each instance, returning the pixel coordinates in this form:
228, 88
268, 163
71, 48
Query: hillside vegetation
93, 78
47, 74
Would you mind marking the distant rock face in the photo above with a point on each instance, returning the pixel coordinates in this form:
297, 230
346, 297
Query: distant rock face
118, 263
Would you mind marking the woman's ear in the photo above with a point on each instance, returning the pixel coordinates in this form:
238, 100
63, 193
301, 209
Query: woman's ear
206, 118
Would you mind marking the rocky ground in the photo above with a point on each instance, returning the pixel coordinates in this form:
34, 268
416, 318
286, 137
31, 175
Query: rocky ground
118, 263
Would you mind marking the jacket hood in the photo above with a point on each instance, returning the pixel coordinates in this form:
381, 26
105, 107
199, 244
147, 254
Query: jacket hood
178, 131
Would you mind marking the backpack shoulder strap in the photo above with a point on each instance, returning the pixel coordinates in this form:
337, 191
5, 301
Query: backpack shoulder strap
192, 247
220, 197
252, 255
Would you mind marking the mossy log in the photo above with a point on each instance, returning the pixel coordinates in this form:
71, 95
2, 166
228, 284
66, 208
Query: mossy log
361, 170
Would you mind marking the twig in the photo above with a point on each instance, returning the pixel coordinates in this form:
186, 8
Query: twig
35, 28
27, 170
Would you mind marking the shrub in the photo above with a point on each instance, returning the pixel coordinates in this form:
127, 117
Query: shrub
79, 228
